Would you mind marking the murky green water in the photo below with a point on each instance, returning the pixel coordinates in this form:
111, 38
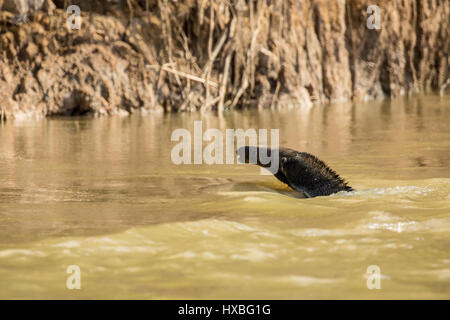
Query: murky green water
103, 194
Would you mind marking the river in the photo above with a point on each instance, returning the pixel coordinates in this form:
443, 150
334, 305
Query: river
104, 195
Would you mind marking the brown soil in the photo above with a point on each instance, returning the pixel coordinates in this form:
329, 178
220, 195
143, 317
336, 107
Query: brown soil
164, 55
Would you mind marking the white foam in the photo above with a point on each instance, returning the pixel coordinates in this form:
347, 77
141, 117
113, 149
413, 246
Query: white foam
253, 255
24, 252
305, 281
68, 244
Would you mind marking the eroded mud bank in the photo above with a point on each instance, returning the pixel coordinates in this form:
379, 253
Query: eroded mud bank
190, 55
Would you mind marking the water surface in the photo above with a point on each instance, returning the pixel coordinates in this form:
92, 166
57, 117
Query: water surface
103, 194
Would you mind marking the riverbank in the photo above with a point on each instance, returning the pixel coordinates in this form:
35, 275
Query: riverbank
162, 56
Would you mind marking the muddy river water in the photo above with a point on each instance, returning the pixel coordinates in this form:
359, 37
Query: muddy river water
103, 194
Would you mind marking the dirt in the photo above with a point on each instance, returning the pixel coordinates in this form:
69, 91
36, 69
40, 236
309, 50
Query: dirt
160, 56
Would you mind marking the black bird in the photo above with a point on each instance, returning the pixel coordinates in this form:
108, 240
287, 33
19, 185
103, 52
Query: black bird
301, 171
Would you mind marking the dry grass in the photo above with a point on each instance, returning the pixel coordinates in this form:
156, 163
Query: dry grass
212, 66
